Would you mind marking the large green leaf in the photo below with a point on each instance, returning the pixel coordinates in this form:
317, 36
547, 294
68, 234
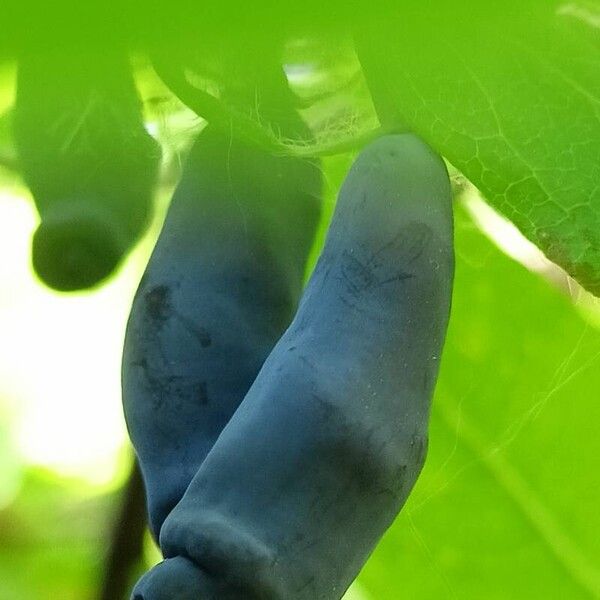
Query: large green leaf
507, 505
510, 94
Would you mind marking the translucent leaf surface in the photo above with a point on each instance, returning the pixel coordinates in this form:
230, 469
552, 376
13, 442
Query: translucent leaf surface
510, 94
507, 506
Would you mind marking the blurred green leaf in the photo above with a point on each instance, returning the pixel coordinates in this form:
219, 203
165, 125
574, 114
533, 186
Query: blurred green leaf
510, 94
53, 540
507, 506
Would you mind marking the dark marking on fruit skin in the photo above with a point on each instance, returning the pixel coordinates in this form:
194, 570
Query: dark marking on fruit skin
157, 304
197, 331
160, 310
355, 452
322, 453
159, 388
361, 277
202, 393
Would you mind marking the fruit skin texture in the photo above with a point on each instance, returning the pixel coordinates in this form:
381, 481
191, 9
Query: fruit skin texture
87, 159
322, 453
220, 288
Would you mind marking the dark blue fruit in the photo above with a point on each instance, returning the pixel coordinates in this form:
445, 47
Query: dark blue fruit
326, 446
220, 288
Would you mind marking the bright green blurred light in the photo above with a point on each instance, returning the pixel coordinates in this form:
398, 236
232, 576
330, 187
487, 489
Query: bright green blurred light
60, 359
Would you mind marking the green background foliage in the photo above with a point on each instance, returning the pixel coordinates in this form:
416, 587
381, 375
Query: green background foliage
507, 504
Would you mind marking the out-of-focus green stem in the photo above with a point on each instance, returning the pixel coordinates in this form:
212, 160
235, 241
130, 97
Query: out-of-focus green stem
221, 115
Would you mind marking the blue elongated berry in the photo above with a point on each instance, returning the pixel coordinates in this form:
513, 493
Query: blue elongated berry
322, 453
